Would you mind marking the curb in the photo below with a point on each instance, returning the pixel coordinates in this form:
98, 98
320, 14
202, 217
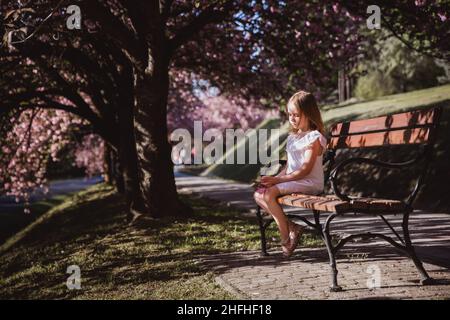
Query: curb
231, 289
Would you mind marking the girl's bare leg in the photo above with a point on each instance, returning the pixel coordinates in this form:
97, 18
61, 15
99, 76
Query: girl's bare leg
259, 198
270, 200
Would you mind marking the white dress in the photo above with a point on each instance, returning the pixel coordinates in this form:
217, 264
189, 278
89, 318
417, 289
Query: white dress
296, 147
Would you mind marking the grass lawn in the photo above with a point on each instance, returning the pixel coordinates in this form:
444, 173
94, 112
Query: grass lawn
154, 260
396, 103
15, 220
247, 172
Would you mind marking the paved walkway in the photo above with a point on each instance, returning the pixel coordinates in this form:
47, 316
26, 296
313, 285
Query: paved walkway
55, 188
306, 274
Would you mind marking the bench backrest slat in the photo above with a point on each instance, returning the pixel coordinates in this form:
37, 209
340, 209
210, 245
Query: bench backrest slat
412, 127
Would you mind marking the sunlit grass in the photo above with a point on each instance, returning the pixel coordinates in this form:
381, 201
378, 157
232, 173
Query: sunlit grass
155, 259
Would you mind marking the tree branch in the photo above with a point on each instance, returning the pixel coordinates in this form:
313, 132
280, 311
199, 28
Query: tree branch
208, 16
112, 26
39, 27
167, 6
408, 44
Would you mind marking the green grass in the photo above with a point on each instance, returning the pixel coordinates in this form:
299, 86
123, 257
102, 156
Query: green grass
245, 172
155, 259
15, 220
396, 103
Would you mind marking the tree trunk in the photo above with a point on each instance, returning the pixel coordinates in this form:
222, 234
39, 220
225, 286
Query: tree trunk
107, 165
113, 169
127, 150
157, 180
117, 172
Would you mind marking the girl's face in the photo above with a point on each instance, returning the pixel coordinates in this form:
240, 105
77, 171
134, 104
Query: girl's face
297, 119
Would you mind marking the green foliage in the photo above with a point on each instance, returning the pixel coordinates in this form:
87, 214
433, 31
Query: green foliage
392, 67
373, 85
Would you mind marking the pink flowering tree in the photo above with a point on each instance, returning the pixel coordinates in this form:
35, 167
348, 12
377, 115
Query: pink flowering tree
191, 99
36, 137
89, 154
120, 70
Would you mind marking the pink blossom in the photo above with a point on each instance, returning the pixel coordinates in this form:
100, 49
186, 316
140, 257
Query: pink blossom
25, 168
442, 16
420, 3
336, 7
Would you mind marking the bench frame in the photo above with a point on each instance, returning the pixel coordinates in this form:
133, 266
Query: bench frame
323, 229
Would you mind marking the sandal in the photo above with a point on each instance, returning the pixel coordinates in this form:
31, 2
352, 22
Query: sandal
295, 234
286, 247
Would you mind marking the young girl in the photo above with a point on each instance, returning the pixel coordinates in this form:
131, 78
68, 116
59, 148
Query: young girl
304, 171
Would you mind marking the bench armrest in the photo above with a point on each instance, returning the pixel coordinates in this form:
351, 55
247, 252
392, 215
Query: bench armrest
392, 165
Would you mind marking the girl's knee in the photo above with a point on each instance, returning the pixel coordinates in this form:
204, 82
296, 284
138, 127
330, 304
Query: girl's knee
257, 196
259, 199
271, 194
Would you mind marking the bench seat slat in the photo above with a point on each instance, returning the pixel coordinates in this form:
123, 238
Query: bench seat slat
331, 203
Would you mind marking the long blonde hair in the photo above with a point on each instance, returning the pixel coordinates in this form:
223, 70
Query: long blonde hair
307, 105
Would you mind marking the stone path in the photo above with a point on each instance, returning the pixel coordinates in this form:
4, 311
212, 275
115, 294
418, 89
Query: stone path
306, 275
367, 271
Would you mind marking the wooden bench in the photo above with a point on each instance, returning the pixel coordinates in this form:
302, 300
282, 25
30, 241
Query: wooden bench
417, 128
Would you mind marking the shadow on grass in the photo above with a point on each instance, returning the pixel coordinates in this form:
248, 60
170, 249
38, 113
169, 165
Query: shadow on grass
14, 219
156, 258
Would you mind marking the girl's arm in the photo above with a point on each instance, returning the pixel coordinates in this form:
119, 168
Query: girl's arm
310, 158
282, 172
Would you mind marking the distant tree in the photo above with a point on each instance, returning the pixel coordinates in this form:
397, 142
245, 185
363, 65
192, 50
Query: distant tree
391, 67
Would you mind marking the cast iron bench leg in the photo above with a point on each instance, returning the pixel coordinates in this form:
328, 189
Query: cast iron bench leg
262, 231
331, 253
425, 278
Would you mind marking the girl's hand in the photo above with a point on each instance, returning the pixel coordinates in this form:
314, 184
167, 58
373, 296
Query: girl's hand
269, 181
